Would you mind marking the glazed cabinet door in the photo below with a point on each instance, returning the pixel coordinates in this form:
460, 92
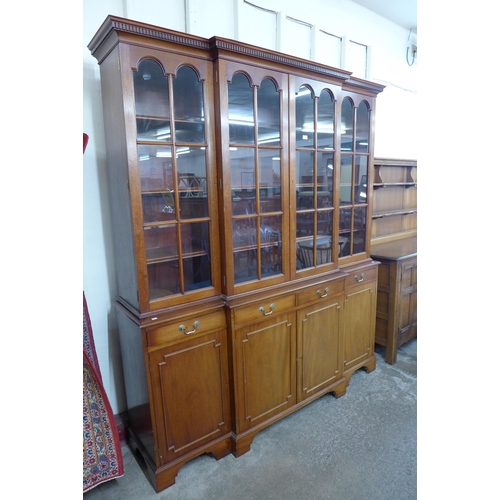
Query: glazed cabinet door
190, 389
172, 176
254, 175
314, 128
356, 158
319, 346
266, 374
359, 319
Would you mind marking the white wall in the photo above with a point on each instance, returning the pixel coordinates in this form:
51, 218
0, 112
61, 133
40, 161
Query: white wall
396, 127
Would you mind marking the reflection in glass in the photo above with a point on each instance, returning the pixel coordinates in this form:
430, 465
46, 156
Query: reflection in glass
162, 253
361, 181
270, 246
268, 112
347, 125
359, 234
304, 118
244, 249
192, 180
326, 114
196, 255
345, 179
362, 128
243, 190
188, 106
269, 180
305, 224
151, 92
241, 116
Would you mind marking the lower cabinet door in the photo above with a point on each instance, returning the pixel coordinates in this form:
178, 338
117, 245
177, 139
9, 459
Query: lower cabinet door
359, 323
266, 370
190, 390
407, 323
319, 347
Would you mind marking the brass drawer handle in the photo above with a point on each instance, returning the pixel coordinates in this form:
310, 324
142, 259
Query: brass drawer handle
182, 328
323, 295
261, 309
359, 279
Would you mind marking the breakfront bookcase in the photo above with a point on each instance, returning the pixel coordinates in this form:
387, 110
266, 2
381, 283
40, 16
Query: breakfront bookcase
240, 186
394, 245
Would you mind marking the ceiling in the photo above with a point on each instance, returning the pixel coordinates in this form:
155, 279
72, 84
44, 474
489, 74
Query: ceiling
402, 12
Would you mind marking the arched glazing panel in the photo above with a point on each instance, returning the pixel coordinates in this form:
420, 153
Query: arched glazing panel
268, 111
240, 107
189, 114
363, 128
152, 105
347, 125
326, 120
304, 118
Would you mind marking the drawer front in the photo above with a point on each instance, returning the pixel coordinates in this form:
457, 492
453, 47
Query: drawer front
263, 309
321, 291
186, 328
361, 276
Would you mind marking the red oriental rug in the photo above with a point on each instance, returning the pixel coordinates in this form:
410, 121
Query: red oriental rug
102, 454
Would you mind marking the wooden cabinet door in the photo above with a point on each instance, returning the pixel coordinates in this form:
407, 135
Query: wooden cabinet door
190, 394
359, 323
265, 370
407, 327
319, 348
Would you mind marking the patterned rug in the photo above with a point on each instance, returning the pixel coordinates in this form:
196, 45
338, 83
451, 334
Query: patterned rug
102, 454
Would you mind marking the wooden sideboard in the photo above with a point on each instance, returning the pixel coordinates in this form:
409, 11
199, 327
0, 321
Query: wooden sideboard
396, 321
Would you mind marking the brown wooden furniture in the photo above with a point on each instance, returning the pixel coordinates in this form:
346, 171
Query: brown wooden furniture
224, 160
396, 294
394, 244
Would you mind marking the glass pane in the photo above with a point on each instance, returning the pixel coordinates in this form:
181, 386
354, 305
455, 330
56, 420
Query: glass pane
192, 178
268, 102
325, 222
196, 255
244, 250
363, 128
304, 171
347, 125
304, 118
326, 114
163, 260
269, 180
345, 231
157, 183
310, 254
345, 220
241, 117
361, 180
151, 92
324, 194
358, 242
188, 107
270, 246
325, 166
305, 254
243, 181
163, 278
153, 130
345, 179
305, 224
